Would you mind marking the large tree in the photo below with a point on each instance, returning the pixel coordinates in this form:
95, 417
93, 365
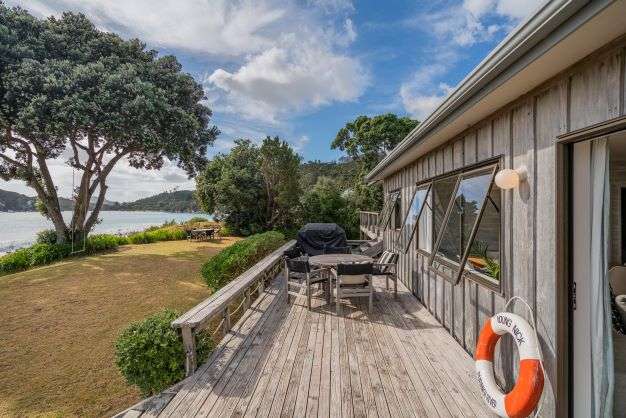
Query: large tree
68, 90
366, 140
252, 188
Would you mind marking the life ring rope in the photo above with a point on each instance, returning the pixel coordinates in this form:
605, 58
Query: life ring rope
526, 394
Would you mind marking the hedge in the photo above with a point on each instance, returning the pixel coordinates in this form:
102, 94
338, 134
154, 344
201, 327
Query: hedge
150, 353
239, 257
46, 251
168, 233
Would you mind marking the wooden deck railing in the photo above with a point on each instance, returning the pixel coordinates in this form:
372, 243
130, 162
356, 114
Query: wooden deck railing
368, 224
252, 281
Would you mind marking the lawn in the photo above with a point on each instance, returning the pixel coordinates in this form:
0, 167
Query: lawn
60, 323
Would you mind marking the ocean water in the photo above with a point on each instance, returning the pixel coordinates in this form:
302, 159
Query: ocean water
19, 229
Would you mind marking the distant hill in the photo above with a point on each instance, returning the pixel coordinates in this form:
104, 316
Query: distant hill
16, 202
177, 201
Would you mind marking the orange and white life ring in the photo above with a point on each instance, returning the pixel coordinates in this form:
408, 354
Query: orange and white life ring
523, 399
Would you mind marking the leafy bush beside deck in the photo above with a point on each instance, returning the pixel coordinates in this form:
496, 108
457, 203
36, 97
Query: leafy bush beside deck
239, 257
150, 353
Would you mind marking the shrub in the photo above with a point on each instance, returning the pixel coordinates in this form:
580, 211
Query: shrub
47, 236
169, 233
15, 261
41, 254
102, 242
150, 353
225, 231
196, 219
237, 258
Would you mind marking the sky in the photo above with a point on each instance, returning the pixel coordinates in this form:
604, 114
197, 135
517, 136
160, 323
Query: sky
299, 69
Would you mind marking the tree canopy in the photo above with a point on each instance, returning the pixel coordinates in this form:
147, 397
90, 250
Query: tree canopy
252, 188
68, 90
367, 139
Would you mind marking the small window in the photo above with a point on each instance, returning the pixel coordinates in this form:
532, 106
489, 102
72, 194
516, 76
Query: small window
484, 253
397, 214
425, 226
442, 193
457, 233
412, 217
387, 211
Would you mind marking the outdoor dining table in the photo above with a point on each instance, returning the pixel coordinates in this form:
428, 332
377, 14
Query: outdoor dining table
332, 260
202, 233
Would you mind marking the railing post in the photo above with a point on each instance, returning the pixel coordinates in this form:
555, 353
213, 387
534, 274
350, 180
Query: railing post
226, 320
189, 342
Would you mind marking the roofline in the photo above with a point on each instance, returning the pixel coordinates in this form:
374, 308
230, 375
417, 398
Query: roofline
537, 34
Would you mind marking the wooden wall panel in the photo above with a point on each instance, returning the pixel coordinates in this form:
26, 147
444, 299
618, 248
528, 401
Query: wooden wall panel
469, 287
484, 151
439, 281
432, 282
549, 124
523, 133
458, 303
503, 364
447, 294
595, 91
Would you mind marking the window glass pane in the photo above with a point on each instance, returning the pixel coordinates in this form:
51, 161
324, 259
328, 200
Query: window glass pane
484, 255
387, 210
410, 221
397, 214
425, 225
464, 212
442, 193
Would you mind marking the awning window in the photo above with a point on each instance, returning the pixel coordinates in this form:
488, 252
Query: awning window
456, 239
416, 208
387, 210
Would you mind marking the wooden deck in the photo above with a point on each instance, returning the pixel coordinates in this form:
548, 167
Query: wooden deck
286, 360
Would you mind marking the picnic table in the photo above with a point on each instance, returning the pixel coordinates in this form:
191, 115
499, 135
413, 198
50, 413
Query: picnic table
202, 234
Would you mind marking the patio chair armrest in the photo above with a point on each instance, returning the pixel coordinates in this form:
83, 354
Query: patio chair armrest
390, 267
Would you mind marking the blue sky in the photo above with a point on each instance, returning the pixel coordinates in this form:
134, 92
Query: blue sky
301, 69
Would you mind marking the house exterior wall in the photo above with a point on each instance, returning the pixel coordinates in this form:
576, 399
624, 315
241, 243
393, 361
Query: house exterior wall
523, 133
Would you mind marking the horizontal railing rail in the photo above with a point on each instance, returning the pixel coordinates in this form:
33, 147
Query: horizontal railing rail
368, 224
252, 281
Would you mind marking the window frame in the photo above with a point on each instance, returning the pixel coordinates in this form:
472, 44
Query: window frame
428, 185
382, 226
495, 164
395, 214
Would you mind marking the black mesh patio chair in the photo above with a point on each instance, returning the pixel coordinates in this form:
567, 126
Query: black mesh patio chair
354, 280
337, 250
387, 265
293, 253
300, 275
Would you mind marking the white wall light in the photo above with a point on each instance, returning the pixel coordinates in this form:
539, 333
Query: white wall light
509, 179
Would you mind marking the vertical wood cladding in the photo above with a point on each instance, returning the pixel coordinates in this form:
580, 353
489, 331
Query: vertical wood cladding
523, 133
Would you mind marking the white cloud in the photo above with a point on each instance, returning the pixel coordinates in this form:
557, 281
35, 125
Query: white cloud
420, 95
333, 6
300, 143
293, 76
222, 27
125, 182
458, 26
472, 21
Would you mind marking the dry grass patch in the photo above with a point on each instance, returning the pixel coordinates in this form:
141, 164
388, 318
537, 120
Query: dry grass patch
60, 323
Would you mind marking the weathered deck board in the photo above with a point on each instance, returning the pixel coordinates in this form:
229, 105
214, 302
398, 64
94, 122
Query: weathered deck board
289, 361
